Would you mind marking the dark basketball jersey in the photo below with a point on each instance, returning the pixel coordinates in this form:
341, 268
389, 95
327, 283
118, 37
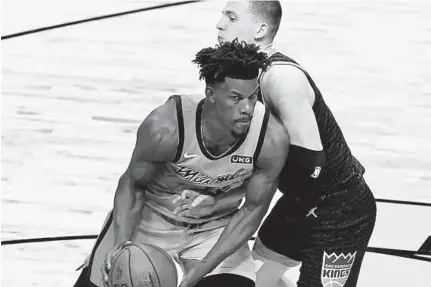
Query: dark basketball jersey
341, 168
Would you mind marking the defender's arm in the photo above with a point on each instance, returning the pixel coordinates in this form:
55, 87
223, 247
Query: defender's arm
291, 97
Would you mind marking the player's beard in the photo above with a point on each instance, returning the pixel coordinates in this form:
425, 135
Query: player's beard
240, 135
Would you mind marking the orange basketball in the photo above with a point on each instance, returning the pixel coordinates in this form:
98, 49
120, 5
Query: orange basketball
142, 266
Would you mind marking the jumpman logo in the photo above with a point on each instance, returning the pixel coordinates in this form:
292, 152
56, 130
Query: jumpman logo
311, 212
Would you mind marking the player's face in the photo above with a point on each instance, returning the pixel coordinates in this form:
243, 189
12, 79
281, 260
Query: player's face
237, 22
234, 101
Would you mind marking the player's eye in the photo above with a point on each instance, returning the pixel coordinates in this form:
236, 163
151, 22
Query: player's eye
235, 98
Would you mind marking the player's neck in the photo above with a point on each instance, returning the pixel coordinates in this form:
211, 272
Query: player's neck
267, 48
214, 132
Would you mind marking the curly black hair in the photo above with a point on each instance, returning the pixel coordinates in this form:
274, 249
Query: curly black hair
235, 59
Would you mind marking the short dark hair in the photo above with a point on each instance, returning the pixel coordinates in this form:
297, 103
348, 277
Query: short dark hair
269, 11
235, 59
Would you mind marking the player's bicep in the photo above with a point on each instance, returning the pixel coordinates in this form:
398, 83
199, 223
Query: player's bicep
289, 93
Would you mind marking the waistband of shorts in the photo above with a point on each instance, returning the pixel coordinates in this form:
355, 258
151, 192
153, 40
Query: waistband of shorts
188, 225
344, 192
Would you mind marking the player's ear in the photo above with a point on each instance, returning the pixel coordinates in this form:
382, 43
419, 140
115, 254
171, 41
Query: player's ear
261, 31
209, 92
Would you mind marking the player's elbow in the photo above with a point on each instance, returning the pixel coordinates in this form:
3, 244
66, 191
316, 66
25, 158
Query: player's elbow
307, 162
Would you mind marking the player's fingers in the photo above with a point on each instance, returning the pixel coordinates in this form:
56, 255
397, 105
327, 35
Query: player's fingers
184, 213
177, 199
125, 244
189, 213
184, 194
107, 260
203, 200
105, 277
181, 207
189, 194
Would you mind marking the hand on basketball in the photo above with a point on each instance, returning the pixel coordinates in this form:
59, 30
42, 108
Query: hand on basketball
194, 204
108, 261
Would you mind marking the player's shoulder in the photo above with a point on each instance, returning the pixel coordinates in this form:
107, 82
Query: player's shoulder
161, 125
286, 85
279, 74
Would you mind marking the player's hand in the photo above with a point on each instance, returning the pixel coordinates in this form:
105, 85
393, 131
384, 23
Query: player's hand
191, 271
108, 261
194, 204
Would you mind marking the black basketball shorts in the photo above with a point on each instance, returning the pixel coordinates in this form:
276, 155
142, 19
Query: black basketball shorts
329, 238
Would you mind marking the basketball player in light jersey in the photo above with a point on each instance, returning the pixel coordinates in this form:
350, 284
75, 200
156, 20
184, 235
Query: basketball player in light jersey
327, 213
224, 141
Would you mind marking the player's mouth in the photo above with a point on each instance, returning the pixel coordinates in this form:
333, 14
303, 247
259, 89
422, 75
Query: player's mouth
220, 39
243, 122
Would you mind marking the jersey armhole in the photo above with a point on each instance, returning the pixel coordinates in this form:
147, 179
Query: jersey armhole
180, 120
261, 138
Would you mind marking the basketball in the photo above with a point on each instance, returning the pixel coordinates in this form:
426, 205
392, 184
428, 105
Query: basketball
142, 266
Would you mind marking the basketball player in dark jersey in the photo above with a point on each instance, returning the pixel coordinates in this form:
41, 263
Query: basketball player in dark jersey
224, 141
326, 215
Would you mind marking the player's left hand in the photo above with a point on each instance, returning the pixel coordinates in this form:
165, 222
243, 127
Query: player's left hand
194, 204
106, 266
192, 272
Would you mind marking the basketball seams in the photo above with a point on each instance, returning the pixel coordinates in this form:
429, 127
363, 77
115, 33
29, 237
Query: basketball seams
151, 262
130, 269
115, 261
167, 256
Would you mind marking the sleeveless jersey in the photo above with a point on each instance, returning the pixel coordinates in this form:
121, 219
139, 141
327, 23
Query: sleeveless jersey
194, 168
341, 168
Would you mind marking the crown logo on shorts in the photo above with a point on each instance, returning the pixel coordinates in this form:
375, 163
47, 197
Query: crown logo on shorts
336, 268
339, 259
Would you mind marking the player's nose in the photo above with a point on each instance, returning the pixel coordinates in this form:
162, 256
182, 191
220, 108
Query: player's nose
247, 108
221, 24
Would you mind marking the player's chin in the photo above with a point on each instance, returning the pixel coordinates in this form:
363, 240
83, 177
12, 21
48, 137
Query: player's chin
240, 129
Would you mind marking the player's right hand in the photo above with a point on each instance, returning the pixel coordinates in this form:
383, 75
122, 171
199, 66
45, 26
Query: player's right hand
106, 266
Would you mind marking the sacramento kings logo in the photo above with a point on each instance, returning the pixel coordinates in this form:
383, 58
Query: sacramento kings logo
336, 269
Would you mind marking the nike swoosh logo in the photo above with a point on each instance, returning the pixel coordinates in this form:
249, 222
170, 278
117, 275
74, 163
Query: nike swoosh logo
190, 155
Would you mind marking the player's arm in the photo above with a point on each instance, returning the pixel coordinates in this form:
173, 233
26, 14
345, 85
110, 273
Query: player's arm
229, 200
156, 142
260, 189
288, 93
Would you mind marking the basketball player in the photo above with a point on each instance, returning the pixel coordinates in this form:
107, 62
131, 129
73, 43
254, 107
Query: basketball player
212, 146
326, 215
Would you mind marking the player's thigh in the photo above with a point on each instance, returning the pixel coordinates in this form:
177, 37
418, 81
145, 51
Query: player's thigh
281, 234
271, 266
239, 263
334, 255
154, 229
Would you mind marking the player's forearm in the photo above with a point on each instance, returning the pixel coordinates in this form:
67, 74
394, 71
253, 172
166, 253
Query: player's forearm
128, 204
240, 229
229, 200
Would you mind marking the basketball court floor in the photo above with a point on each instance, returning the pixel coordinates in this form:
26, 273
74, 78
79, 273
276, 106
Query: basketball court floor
73, 97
